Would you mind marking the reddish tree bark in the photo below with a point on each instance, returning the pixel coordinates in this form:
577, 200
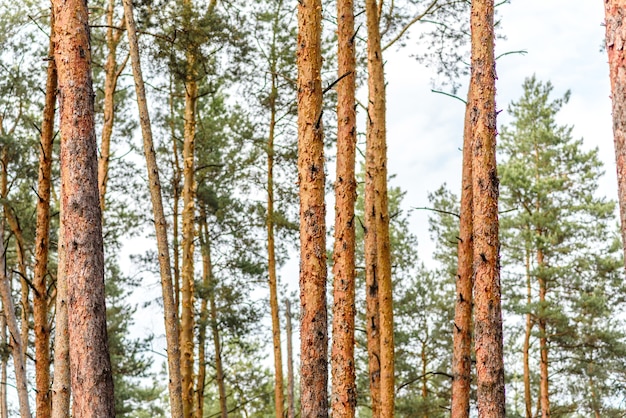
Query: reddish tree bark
92, 383
462, 334
313, 319
487, 305
376, 167
42, 239
615, 14
343, 398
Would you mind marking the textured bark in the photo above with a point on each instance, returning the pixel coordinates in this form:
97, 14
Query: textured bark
314, 316
487, 304
4, 407
16, 230
169, 307
61, 383
543, 342
92, 383
291, 410
14, 333
462, 335
279, 398
615, 13
175, 203
204, 312
111, 75
42, 240
187, 272
371, 293
376, 165
526, 347
219, 368
343, 398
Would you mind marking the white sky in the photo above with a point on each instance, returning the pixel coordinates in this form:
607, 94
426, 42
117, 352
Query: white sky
563, 39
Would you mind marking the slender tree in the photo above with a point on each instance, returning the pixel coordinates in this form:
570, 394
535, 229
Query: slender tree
462, 333
92, 383
313, 319
14, 333
187, 271
376, 173
342, 353
169, 306
42, 241
487, 294
615, 39
291, 410
112, 73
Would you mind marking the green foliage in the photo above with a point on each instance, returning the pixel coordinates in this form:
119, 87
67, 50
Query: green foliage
550, 209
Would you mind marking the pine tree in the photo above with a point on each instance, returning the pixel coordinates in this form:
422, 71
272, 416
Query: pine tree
555, 236
83, 268
313, 319
487, 293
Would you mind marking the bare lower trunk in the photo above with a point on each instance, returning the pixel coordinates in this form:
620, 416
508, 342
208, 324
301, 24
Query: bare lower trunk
61, 383
187, 276
4, 407
615, 11
169, 307
92, 383
526, 348
42, 239
279, 399
112, 73
424, 377
543, 342
314, 317
204, 312
487, 305
376, 165
462, 335
291, 410
371, 295
342, 354
14, 334
219, 368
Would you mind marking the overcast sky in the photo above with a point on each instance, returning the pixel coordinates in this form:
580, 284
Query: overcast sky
563, 40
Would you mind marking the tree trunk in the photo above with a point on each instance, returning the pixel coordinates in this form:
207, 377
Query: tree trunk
169, 307
462, 335
291, 410
543, 341
314, 316
376, 165
279, 399
487, 305
92, 383
342, 353
175, 204
187, 276
219, 368
4, 407
15, 339
204, 311
42, 240
16, 229
111, 74
615, 11
526, 348
61, 383
424, 378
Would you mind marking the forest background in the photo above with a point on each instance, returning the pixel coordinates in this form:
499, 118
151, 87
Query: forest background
561, 43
